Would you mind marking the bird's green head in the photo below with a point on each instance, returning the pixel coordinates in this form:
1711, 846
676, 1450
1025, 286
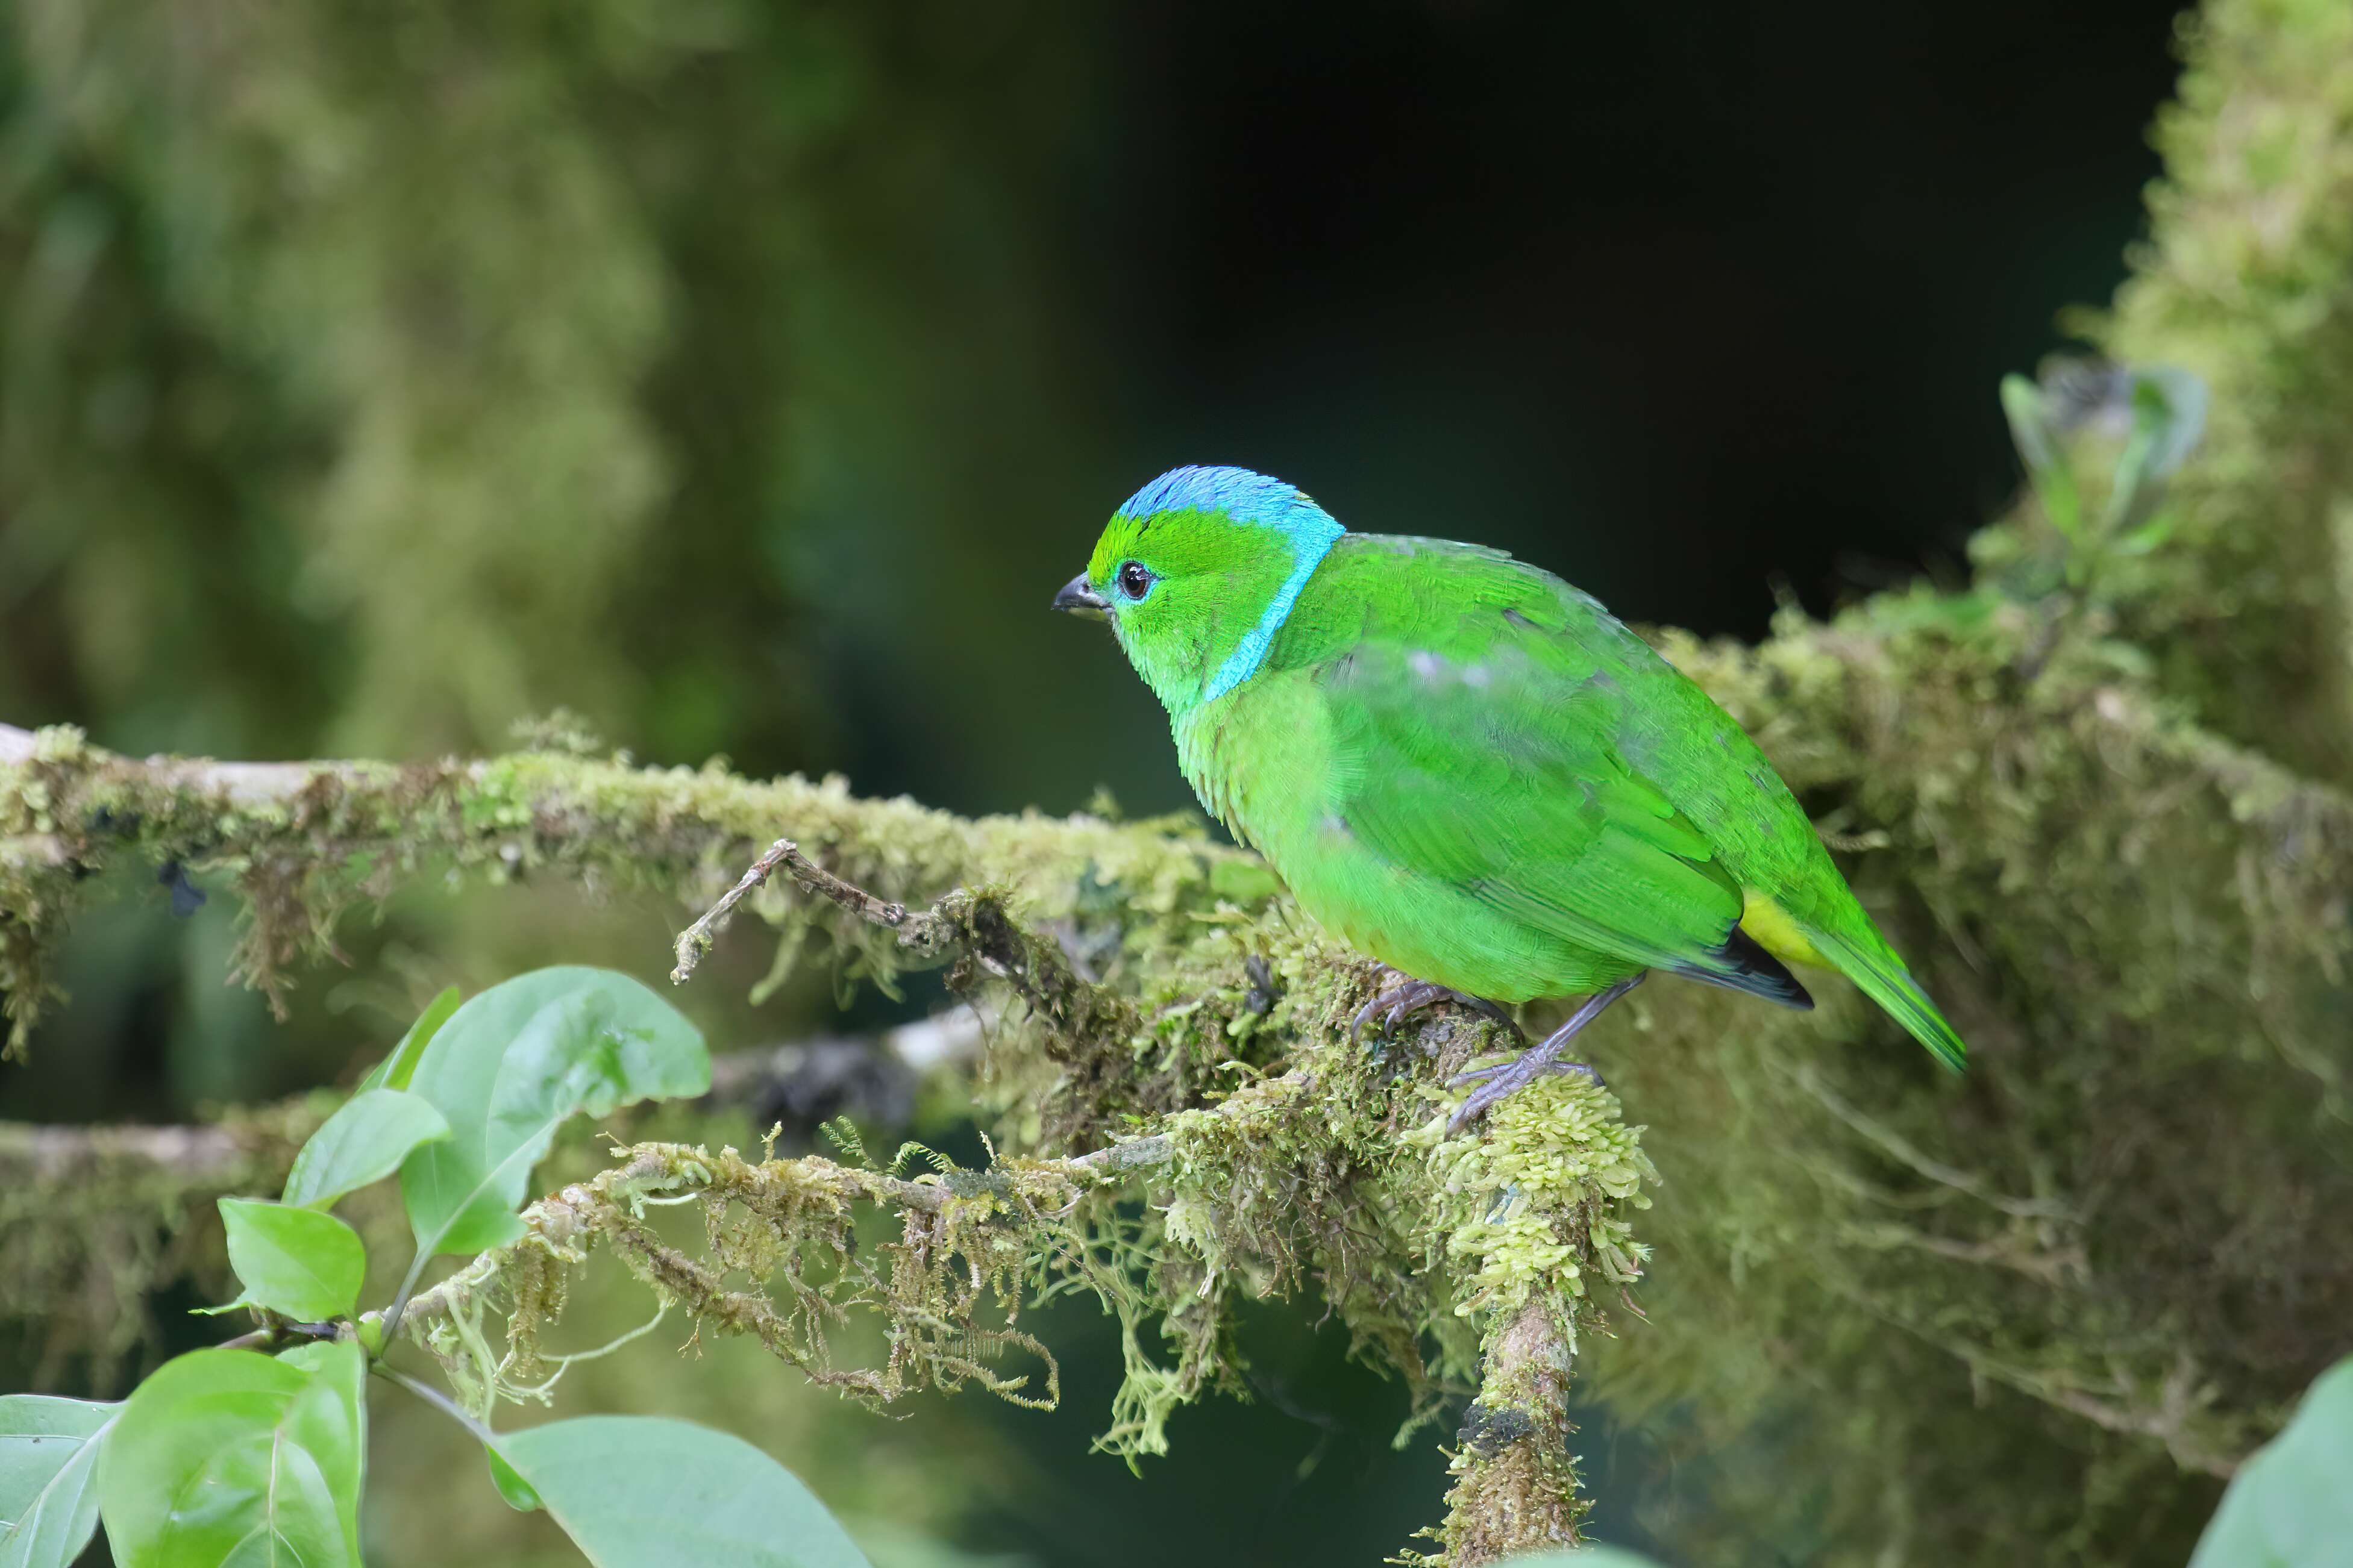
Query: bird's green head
1196, 573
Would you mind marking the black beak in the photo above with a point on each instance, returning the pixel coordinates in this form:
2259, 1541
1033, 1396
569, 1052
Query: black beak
1077, 596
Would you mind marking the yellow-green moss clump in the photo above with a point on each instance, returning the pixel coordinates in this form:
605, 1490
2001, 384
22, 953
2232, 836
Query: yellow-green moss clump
1541, 1199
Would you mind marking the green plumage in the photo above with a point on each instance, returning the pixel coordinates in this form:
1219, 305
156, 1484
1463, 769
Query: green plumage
1466, 768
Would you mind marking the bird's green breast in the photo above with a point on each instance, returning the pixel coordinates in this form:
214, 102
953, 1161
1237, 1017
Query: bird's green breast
1465, 767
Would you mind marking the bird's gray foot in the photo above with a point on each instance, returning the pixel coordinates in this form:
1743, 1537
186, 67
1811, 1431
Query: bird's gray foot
1500, 1082
1561, 1068
1504, 1079
1410, 996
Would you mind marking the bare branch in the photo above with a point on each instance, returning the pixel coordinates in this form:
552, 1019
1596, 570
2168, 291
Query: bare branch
695, 940
924, 934
197, 1157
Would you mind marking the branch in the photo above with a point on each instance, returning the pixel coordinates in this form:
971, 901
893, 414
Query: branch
303, 841
33, 1157
924, 934
802, 1082
968, 1235
1516, 1486
558, 1224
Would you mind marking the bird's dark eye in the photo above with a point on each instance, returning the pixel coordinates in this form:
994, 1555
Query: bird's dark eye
1134, 579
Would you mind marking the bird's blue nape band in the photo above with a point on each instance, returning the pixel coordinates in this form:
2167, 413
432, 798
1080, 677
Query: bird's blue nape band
1255, 501
1243, 662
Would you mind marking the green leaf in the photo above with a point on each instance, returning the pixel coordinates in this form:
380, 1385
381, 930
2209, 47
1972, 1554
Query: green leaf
2289, 1506
395, 1070
511, 1487
2037, 447
514, 1063
2169, 415
639, 1491
48, 1458
363, 1142
232, 1457
299, 1263
2148, 536
2175, 402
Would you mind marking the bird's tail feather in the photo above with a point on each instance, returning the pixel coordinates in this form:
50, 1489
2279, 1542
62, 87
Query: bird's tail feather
1740, 963
1872, 964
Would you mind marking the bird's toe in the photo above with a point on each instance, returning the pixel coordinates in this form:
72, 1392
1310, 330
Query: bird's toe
1395, 1003
1499, 1082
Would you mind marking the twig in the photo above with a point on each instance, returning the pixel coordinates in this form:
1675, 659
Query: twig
2168, 1424
400, 1298
922, 931
918, 929
695, 940
439, 1400
1901, 1150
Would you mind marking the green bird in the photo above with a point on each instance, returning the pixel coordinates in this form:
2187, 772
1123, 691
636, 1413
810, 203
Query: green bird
1468, 770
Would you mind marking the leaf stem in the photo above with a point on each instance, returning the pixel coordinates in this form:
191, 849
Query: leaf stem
269, 1336
400, 1297
439, 1400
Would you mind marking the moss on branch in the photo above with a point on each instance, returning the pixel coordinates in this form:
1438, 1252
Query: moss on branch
2139, 925
1245, 1197
2248, 615
92, 1219
305, 841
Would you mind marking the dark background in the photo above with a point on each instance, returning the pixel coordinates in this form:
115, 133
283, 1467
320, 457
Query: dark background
1681, 304
1689, 305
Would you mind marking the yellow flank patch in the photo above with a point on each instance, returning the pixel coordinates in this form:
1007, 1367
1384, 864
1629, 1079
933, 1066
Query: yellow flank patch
1775, 932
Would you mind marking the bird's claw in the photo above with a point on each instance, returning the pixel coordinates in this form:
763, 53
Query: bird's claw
1394, 1003
1399, 1002
1499, 1082
1503, 1079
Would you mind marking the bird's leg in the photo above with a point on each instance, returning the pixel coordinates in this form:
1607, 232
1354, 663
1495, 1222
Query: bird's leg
1499, 1083
1410, 995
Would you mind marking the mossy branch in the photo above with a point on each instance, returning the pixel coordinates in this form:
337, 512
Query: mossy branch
305, 840
2120, 910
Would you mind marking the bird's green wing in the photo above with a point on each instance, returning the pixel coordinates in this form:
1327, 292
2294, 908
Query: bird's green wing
1491, 766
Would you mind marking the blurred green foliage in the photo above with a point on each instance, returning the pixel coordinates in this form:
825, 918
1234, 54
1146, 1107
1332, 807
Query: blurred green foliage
378, 376
375, 376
